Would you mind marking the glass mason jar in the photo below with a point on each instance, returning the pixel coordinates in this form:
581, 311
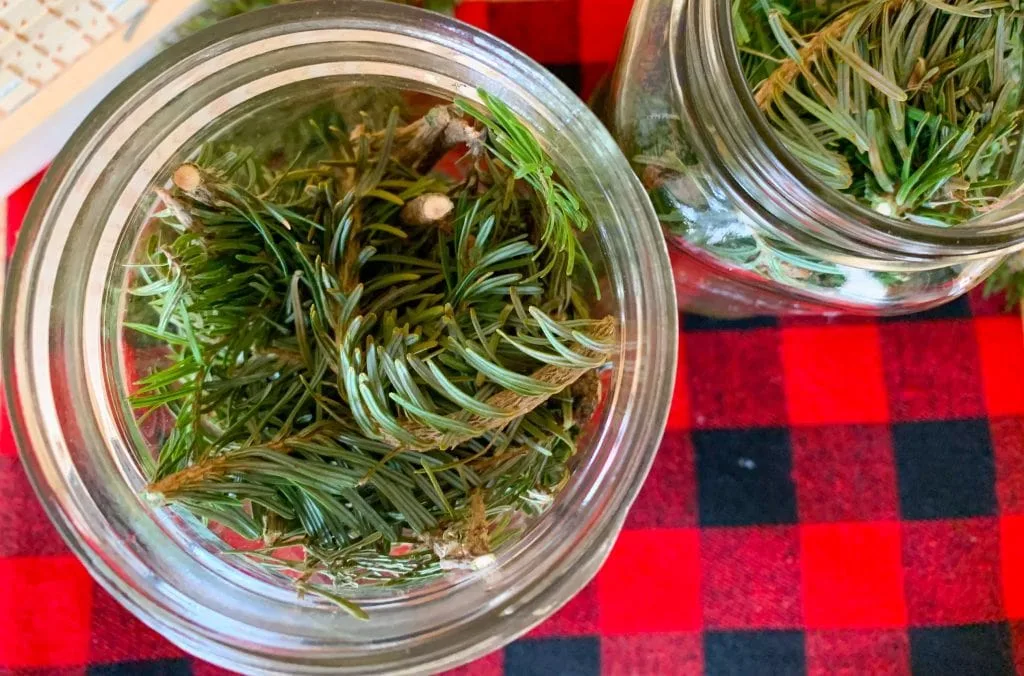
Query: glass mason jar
67, 359
752, 231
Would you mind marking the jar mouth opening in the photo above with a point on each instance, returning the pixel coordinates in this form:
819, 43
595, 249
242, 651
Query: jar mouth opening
763, 151
51, 330
130, 355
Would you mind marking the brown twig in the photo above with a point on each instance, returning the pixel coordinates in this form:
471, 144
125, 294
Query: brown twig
478, 540
428, 209
209, 468
190, 476
422, 143
788, 70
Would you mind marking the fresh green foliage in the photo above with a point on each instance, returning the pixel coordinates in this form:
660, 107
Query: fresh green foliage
385, 366
912, 107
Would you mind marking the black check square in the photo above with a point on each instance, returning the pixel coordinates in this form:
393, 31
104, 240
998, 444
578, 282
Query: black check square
700, 323
175, 667
564, 656
569, 73
956, 309
966, 650
744, 477
741, 653
945, 469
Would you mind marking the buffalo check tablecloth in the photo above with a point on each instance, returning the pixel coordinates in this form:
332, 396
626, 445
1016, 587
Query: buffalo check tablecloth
831, 497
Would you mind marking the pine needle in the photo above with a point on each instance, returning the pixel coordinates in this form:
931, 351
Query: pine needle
354, 371
911, 107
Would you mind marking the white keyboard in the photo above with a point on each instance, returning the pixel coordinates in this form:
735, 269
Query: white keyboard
39, 39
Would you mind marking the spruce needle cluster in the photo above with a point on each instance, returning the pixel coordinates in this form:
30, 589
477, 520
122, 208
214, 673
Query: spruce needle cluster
911, 107
378, 337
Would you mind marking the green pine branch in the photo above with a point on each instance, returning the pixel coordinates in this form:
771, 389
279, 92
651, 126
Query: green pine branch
385, 366
912, 107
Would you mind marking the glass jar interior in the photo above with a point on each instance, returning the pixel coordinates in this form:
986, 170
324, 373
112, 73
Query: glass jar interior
267, 124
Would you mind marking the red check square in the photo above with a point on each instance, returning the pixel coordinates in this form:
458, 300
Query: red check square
852, 652
474, 12
117, 636
1011, 542
578, 617
1008, 452
669, 495
751, 578
1001, 350
652, 654
932, 370
834, 375
44, 612
651, 582
951, 571
547, 30
844, 473
601, 24
852, 575
591, 76
8, 449
983, 305
26, 530
679, 414
17, 206
736, 378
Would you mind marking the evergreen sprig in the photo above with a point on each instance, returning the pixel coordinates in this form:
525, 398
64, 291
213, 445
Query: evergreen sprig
385, 367
912, 107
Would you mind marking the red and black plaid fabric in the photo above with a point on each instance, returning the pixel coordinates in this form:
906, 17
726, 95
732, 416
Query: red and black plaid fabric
832, 497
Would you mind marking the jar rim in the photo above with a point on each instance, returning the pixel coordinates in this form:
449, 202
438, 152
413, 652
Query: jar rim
50, 338
772, 176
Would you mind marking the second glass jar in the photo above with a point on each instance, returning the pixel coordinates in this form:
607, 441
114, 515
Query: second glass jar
752, 231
